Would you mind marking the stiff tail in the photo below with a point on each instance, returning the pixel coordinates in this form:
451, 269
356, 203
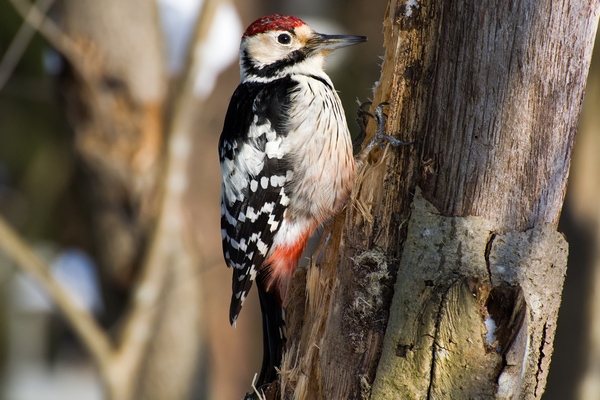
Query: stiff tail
273, 334
273, 286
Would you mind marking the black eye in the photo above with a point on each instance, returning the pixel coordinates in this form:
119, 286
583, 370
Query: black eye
284, 38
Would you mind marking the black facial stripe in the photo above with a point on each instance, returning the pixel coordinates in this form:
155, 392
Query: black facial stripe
273, 68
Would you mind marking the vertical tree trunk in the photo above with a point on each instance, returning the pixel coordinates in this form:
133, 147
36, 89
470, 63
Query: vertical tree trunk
136, 177
463, 221
115, 92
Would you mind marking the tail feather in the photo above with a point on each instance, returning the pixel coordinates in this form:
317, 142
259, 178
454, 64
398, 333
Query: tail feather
273, 284
273, 334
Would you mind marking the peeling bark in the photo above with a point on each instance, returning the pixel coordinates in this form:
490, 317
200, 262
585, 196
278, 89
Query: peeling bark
465, 329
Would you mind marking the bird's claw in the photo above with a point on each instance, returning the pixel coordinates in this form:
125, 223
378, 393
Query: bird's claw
380, 138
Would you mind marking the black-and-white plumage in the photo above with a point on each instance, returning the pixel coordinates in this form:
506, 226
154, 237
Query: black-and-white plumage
287, 163
255, 172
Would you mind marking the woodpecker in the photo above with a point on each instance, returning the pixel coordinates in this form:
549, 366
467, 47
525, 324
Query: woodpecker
287, 163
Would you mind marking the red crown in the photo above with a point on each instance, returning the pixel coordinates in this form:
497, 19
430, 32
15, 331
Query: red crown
273, 22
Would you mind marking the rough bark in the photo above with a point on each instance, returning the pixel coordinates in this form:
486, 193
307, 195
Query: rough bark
491, 95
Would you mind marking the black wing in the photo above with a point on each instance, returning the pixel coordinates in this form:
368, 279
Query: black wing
253, 198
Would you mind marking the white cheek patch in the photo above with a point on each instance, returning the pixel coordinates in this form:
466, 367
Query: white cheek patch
264, 49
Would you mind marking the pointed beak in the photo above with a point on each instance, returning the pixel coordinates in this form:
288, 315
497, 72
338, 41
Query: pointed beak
334, 42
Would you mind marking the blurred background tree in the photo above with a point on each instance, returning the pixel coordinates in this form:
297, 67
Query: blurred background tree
108, 151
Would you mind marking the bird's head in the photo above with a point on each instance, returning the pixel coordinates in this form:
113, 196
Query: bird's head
278, 45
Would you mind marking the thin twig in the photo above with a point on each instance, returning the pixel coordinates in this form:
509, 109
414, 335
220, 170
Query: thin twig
261, 394
19, 44
82, 322
36, 18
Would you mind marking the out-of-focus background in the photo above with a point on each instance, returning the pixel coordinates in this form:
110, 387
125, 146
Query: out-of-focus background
52, 193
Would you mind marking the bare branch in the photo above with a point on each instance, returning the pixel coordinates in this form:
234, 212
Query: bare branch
22, 39
36, 18
80, 319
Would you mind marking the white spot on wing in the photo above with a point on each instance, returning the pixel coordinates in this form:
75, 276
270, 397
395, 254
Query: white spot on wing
251, 214
277, 180
267, 208
284, 199
274, 224
237, 266
273, 148
237, 172
262, 247
230, 219
264, 182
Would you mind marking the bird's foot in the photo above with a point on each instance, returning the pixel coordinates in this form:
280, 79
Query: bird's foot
380, 138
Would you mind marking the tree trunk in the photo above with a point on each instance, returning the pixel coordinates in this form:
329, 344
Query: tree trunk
444, 278
115, 91
135, 177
